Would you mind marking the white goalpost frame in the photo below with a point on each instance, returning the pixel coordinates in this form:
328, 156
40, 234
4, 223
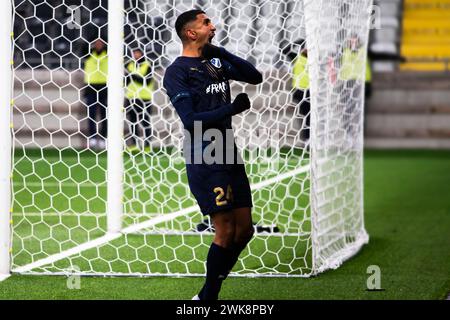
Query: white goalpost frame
115, 116
316, 41
115, 166
5, 139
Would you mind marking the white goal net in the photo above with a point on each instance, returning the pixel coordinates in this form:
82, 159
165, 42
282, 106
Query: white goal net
97, 180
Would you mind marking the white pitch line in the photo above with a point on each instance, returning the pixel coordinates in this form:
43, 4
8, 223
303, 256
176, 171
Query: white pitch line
143, 225
260, 185
97, 242
67, 253
280, 177
162, 218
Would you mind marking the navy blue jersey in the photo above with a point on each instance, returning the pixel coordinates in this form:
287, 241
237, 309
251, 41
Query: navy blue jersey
200, 92
206, 83
199, 88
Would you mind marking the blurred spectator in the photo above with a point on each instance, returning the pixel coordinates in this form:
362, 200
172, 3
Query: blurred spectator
96, 94
139, 93
353, 61
298, 55
353, 70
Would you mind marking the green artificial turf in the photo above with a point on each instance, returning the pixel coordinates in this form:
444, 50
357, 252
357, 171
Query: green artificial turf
407, 215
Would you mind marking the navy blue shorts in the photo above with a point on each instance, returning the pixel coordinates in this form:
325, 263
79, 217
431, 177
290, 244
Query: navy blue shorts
219, 187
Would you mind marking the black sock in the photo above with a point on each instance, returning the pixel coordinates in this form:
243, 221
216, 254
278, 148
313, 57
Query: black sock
236, 250
217, 265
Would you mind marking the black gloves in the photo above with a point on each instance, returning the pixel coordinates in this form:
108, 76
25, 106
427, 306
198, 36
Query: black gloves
210, 51
240, 103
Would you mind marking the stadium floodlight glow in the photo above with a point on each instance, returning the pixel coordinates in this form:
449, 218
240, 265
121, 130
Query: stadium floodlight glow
128, 211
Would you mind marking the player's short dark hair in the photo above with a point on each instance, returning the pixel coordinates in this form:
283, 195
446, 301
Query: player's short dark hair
183, 19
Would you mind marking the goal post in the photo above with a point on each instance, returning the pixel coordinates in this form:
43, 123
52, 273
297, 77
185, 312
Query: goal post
5, 140
337, 128
126, 208
115, 114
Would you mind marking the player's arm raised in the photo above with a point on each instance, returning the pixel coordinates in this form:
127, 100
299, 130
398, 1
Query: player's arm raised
237, 68
181, 98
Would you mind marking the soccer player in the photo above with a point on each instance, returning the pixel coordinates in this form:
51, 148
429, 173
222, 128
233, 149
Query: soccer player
197, 85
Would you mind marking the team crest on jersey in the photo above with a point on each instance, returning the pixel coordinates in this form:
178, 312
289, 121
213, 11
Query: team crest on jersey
216, 62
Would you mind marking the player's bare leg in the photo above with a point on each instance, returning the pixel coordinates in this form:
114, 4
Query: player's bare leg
244, 231
224, 224
243, 225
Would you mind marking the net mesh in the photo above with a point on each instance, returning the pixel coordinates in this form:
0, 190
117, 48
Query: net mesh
307, 192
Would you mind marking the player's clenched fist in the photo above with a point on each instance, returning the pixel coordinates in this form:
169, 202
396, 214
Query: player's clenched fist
241, 103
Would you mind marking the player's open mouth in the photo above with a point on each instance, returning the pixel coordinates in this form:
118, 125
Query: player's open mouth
211, 36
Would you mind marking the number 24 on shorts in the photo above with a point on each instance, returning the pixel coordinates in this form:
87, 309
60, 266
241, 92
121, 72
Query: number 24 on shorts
220, 201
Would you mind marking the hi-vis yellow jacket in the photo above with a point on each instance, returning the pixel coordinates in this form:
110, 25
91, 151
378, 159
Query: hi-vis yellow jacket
300, 78
136, 90
353, 63
96, 68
